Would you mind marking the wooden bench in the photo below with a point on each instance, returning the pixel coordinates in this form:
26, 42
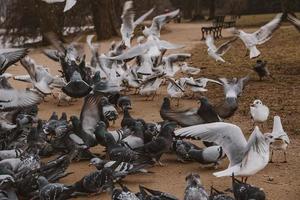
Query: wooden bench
215, 30
231, 22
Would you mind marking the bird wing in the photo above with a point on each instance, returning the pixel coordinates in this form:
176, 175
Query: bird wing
256, 148
11, 99
52, 54
178, 57
210, 42
4, 84
9, 58
69, 4
265, 32
175, 84
225, 47
159, 21
24, 78
294, 21
127, 26
30, 67
229, 136
53, 1
143, 17
90, 115
278, 131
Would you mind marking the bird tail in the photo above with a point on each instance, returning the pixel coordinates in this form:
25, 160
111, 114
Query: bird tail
254, 52
227, 172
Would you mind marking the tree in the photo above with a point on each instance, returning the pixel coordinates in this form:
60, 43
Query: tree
212, 9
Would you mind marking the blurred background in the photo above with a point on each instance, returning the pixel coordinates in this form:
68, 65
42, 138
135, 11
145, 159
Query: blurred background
23, 22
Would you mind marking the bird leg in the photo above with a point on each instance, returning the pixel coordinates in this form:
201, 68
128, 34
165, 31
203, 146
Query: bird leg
271, 159
177, 102
285, 160
153, 96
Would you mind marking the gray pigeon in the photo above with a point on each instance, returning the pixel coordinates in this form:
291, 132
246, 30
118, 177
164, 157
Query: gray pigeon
217, 195
9, 57
209, 155
194, 189
261, 69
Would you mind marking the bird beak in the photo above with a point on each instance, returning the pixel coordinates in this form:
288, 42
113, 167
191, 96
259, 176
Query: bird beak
252, 105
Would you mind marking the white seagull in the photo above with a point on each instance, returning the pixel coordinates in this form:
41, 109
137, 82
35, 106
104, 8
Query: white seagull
128, 24
68, 6
215, 52
259, 37
281, 139
186, 69
259, 112
158, 22
246, 158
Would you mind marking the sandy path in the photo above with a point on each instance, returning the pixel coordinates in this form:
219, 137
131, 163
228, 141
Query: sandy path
171, 177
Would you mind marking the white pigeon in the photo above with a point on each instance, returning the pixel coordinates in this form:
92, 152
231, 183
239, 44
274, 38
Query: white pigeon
294, 21
259, 112
245, 158
217, 53
68, 6
158, 22
186, 69
281, 139
128, 24
259, 37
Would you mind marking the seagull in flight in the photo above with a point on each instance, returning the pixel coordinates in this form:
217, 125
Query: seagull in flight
246, 158
68, 6
217, 53
260, 36
158, 22
128, 24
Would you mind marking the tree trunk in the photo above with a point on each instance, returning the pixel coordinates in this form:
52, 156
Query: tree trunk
104, 18
212, 9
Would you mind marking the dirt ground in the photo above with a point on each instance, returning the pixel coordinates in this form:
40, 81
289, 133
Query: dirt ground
282, 95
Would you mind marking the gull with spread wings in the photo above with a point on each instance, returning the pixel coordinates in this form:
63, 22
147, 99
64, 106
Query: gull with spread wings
260, 36
246, 158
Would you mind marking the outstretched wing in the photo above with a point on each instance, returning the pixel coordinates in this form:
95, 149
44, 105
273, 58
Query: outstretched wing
159, 21
229, 136
225, 47
210, 42
143, 17
294, 21
9, 58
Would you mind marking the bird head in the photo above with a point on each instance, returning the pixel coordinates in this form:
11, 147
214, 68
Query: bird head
42, 181
256, 103
96, 161
193, 179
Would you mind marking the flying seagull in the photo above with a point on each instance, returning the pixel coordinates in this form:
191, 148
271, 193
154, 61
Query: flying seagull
68, 6
158, 22
260, 36
246, 158
128, 24
217, 53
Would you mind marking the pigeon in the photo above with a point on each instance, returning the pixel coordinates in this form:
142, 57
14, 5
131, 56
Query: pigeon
258, 37
40, 77
123, 194
194, 189
281, 139
128, 24
77, 75
158, 22
123, 167
207, 112
136, 139
69, 3
294, 21
14, 153
186, 69
259, 112
244, 191
210, 155
147, 193
11, 98
9, 57
182, 148
245, 158
127, 120
217, 195
261, 69
217, 53
184, 118
161, 144
52, 191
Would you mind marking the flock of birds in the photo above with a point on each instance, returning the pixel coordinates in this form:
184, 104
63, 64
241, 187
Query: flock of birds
137, 145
